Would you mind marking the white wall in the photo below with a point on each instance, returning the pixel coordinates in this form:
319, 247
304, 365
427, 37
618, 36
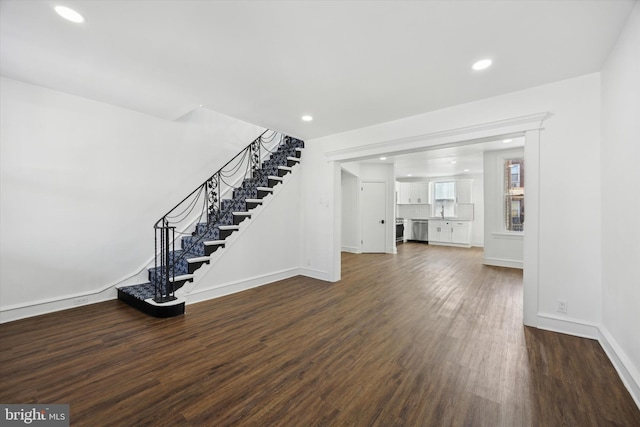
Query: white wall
350, 215
500, 248
82, 184
620, 194
320, 252
569, 257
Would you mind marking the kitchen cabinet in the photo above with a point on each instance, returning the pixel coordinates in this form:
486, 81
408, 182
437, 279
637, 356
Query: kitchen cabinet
438, 231
410, 193
461, 232
404, 192
419, 193
456, 233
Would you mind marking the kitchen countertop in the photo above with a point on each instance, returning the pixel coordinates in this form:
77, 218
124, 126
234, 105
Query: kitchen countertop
447, 218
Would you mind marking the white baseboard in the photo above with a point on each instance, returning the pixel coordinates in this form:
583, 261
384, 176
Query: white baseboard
200, 295
46, 306
351, 249
254, 282
315, 274
626, 370
568, 325
498, 262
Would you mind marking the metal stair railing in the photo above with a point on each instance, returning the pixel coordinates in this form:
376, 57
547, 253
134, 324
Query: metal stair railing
204, 204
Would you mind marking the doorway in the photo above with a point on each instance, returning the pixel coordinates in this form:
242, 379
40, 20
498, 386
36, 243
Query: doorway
530, 126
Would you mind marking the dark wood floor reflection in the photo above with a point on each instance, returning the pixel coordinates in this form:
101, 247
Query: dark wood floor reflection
429, 337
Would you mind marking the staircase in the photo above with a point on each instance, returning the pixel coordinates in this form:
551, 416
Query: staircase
202, 221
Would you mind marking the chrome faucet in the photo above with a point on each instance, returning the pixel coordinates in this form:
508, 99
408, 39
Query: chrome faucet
442, 212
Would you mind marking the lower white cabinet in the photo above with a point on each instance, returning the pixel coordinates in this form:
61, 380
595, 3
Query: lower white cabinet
450, 232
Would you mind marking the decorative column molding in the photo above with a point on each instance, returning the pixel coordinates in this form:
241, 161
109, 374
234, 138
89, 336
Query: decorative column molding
532, 228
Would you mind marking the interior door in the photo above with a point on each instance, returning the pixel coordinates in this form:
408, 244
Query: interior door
373, 219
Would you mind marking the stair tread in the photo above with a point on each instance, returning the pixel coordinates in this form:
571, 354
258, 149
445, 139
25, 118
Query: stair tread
264, 189
241, 213
286, 168
253, 201
197, 259
181, 277
214, 242
229, 227
275, 177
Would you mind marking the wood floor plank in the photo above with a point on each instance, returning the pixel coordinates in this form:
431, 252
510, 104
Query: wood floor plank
427, 337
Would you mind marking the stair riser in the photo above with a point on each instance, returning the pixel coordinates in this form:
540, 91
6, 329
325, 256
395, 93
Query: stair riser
237, 219
262, 194
208, 250
274, 182
225, 233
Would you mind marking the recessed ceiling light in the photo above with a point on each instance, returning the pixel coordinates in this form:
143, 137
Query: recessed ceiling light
453, 162
466, 170
383, 158
506, 141
69, 14
409, 174
482, 64
307, 118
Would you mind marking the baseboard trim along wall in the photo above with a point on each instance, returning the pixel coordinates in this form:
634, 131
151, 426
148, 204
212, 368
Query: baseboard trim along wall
201, 295
628, 373
351, 249
37, 308
498, 262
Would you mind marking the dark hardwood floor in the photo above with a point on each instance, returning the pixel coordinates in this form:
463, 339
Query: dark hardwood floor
429, 337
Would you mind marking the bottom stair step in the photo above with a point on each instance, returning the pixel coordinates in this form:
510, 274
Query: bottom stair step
141, 298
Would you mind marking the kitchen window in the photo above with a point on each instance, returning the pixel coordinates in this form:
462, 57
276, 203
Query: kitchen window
444, 195
514, 195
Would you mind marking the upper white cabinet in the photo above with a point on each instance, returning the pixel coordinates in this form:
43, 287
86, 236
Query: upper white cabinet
419, 192
413, 192
404, 192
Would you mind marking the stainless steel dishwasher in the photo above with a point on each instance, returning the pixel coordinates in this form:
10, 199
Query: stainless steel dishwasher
420, 230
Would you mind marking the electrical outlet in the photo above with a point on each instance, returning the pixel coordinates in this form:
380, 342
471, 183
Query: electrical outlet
562, 306
80, 300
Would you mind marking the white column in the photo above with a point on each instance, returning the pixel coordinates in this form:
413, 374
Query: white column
531, 227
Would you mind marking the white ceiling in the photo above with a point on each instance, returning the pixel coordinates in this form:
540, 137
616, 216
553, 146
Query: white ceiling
348, 63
